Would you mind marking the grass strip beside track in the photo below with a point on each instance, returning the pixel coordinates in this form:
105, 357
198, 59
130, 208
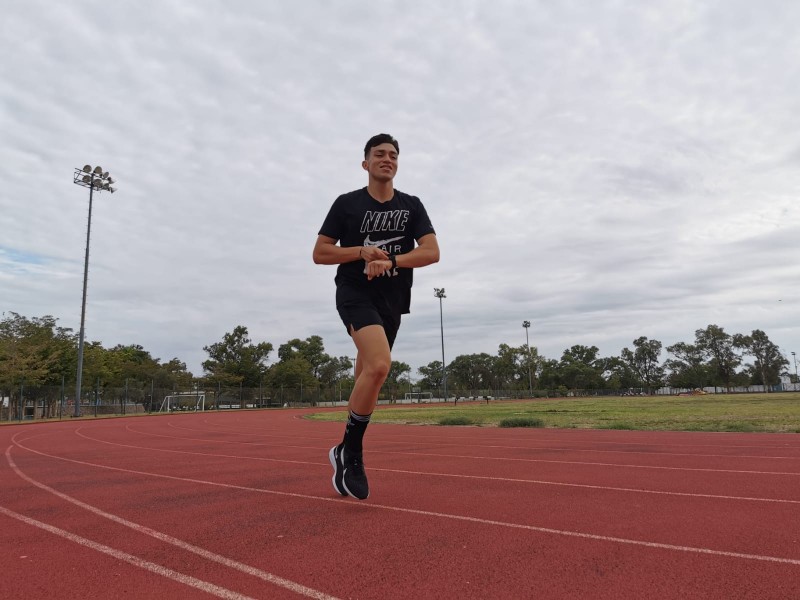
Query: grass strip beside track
776, 413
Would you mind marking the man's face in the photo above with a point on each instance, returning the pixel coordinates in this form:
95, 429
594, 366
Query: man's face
381, 163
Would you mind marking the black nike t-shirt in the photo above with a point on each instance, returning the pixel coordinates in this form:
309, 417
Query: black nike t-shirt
357, 219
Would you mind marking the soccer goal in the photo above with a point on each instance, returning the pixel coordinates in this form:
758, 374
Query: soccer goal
183, 401
419, 397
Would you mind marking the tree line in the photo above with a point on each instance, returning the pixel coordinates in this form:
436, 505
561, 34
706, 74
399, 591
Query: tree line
37, 352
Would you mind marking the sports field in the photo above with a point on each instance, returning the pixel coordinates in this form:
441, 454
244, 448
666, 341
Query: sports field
240, 505
777, 412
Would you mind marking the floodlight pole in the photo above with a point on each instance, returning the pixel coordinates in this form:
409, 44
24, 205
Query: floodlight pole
526, 325
794, 359
439, 293
83, 309
96, 178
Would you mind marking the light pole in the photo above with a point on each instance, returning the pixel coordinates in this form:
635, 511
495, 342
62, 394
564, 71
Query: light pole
439, 293
526, 325
94, 179
794, 359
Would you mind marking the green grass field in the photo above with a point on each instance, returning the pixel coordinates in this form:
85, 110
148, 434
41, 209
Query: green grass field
777, 413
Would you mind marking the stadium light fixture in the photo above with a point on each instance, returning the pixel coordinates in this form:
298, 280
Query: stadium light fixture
439, 293
794, 359
527, 325
93, 179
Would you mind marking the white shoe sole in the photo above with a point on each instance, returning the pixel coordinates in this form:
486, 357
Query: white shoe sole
332, 458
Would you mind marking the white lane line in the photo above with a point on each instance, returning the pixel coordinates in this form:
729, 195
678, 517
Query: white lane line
268, 577
568, 433
438, 442
588, 486
435, 474
418, 512
205, 586
629, 452
480, 445
593, 464
645, 439
428, 454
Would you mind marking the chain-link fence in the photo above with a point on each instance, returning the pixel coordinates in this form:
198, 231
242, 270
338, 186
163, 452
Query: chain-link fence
57, 402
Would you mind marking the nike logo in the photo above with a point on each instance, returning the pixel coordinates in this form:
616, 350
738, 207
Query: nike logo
369, 242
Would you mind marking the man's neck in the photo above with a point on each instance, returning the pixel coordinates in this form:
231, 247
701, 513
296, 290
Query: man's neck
380, 190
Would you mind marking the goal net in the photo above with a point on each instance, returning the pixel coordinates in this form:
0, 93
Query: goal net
183, 401
419, 396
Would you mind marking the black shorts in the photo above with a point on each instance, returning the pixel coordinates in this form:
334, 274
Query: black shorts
359, 308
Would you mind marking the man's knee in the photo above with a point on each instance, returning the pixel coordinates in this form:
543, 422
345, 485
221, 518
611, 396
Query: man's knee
377, 368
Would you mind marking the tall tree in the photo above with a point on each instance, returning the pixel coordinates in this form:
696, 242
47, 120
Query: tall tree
687, 367
471, 372
580, 368
98, 366
173, 374
34, 351
644, 361
236, 360
312, 350
396, 373
336, 369
619, 375
510, 367
130, 362
431, 375
294, 372
550, 374
720, 351
769, 362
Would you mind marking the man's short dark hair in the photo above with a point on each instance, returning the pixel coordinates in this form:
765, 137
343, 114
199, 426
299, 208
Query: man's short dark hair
377, 140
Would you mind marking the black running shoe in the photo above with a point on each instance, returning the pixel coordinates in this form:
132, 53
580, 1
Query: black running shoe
335, 456
354, 479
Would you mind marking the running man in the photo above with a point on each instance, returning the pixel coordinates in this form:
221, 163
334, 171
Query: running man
376, 228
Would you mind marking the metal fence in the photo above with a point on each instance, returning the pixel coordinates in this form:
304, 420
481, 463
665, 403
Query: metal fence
56, 402
36, 403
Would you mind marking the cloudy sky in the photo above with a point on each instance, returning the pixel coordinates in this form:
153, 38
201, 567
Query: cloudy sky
606, 170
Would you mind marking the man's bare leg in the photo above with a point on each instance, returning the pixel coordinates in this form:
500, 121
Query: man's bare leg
372, 367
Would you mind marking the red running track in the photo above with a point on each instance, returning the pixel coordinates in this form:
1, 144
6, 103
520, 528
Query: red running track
240, 505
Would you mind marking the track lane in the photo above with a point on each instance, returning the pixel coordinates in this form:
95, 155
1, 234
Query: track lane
482, 555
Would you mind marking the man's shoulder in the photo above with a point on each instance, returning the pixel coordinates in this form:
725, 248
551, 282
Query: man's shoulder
359, 193
409, 198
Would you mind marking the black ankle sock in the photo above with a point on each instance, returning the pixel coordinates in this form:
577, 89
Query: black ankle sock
354, 432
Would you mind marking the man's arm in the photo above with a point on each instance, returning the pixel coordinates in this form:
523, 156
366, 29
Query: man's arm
326, 252
426, 253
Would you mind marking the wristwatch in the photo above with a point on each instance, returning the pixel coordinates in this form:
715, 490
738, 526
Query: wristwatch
393, 258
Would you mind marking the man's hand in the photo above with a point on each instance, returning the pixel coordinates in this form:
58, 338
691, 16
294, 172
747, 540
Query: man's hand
377, 261
377, 268
370, 253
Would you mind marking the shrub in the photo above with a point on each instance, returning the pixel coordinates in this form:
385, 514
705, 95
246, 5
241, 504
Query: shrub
740, 427
521, 422
456, 421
